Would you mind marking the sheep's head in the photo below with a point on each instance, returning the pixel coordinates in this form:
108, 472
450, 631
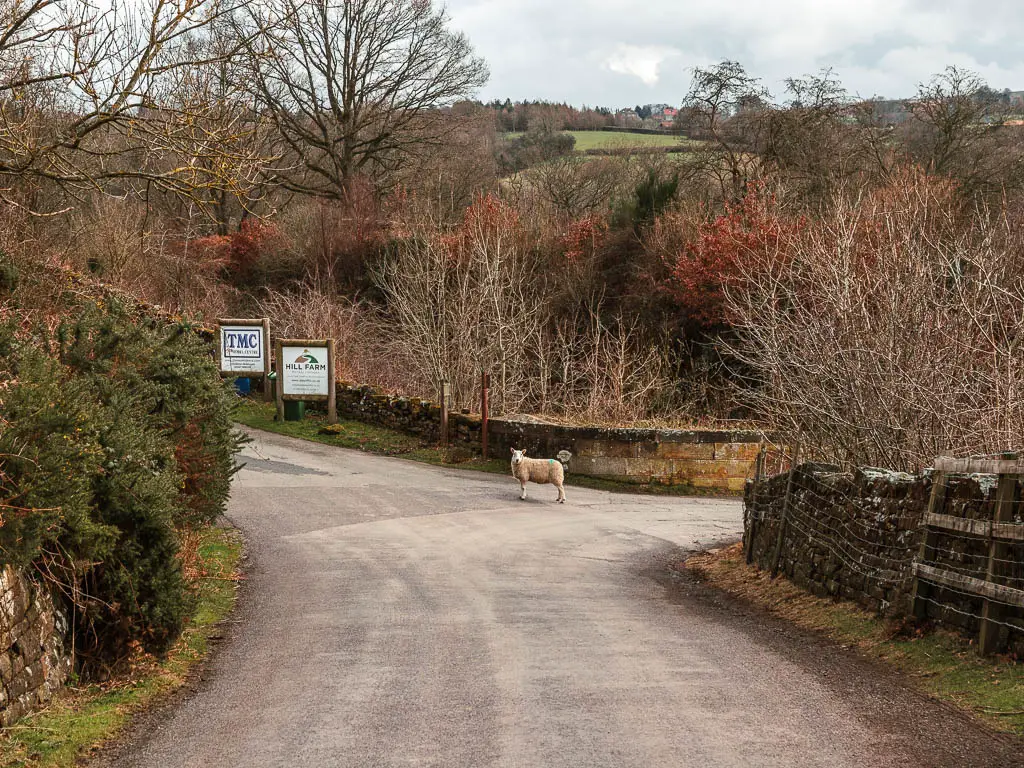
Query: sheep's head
517, 456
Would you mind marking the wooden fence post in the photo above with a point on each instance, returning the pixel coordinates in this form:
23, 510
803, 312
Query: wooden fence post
279, 381
785, 510
268, 385
752, 527
929, 541
1006, 497
332, 385
485, 387
1001, 531
446, 396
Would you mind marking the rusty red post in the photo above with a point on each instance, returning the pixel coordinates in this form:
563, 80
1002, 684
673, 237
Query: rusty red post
485, 385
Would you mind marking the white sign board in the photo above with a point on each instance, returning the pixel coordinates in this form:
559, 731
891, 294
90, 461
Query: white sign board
242, 349
304, 371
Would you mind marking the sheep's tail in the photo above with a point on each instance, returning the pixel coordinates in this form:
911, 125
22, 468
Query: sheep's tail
563, 457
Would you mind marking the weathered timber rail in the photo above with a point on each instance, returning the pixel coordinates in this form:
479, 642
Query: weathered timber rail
1000, 531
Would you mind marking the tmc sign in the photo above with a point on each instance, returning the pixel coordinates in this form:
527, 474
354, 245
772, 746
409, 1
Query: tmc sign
243, 349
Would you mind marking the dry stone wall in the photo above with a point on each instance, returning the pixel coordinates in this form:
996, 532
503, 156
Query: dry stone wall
34, 659
709, 460
851, 535
405, 414
856, 535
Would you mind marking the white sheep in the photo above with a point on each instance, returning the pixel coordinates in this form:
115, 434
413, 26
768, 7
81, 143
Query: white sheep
539, 471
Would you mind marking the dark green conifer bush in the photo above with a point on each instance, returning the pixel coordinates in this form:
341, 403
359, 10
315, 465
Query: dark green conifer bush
115, 437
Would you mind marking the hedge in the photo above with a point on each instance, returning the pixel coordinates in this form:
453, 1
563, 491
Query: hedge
115, 438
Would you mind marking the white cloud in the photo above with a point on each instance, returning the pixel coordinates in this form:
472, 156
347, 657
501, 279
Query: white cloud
640, 61
619, 52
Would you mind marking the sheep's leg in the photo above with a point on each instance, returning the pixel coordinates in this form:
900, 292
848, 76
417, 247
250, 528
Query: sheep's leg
561, 494
522, 484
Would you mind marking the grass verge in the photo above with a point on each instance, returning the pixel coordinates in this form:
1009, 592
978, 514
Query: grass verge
941, 662
387, 442
81, 719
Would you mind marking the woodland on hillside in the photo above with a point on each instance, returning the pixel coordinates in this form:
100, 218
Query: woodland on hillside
813, 263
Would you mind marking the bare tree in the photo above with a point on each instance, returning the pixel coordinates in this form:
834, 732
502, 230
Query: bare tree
82, 89
211, 124
888, 333
958, 130
602, 369
949, 114
724, 108
353, 86
448, 176
483, 298
468, 303
811, 141
576, 186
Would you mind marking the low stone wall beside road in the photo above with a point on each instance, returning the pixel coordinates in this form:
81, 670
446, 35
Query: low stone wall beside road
406, 414
711, 460
34, 661
702, 459
851, 535
857, 534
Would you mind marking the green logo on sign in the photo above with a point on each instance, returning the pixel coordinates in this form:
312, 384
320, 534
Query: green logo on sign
305, 357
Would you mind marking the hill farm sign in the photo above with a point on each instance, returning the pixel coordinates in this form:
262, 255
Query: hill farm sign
305, 371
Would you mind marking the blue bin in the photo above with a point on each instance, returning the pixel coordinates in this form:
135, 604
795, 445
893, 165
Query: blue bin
243, 386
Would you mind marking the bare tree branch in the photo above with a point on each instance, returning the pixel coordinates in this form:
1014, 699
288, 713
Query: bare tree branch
353, 86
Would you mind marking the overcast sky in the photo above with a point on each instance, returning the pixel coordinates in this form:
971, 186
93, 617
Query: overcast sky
617, 53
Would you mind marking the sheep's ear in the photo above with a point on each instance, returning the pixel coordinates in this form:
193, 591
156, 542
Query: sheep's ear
524, 451
513, 451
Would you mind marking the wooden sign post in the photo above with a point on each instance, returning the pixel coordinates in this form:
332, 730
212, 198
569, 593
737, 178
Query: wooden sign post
243, 350
446, 399
305, 371
485, 389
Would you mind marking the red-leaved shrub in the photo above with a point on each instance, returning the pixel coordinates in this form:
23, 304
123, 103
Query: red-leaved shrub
752, 232
235, 255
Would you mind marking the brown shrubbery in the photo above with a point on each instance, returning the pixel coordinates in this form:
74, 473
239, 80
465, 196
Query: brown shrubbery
889, 330
837, 269
484, 297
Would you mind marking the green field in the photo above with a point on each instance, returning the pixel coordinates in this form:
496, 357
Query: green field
614, 139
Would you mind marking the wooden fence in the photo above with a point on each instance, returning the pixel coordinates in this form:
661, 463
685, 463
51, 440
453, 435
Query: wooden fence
998, 599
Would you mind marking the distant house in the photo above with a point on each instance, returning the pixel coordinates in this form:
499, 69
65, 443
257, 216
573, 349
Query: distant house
627, 118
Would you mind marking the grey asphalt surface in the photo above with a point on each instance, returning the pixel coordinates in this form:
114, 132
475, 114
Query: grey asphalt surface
397, 614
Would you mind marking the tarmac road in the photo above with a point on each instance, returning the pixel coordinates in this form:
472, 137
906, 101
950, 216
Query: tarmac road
397, 614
